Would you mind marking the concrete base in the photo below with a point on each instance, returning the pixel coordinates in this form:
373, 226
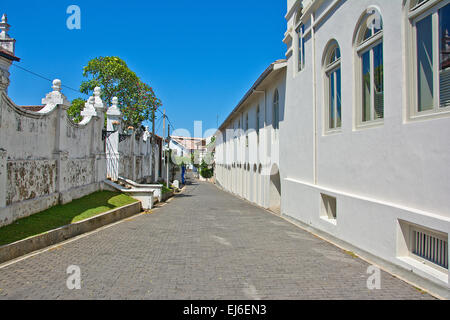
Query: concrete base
144, 194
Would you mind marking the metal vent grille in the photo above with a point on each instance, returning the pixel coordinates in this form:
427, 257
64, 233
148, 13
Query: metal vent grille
445, 88
431, 248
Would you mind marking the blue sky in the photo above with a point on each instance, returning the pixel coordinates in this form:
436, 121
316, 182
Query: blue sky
199, 56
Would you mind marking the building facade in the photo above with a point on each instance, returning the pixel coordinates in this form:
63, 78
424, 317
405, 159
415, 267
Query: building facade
365, 127
247, 157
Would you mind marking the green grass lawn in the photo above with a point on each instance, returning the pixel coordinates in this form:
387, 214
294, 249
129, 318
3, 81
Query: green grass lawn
61, 215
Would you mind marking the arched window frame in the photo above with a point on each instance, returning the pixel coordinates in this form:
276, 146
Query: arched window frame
276, 112
417, 14
333, 87
369, 47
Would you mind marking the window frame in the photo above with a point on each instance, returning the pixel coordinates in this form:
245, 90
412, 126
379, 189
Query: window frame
415, 14
328, 69
300, 31
299, 28
276, 111
258, 124
361, 47
246, 130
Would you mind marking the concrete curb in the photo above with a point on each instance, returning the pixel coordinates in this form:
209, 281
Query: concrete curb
17, 249
166, 196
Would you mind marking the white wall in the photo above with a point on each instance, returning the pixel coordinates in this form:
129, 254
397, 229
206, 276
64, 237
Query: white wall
379, 175
45, 158
232, 155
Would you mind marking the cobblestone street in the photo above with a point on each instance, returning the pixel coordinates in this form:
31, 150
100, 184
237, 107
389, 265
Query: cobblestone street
204, 244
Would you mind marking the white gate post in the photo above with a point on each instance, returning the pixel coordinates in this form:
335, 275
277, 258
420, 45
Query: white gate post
113, 116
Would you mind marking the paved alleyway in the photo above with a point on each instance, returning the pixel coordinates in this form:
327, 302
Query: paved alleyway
205, 244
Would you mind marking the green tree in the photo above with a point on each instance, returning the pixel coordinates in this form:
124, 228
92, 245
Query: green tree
137, 100
74, 111
205, 171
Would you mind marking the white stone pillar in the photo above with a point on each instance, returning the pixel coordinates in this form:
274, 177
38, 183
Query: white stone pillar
113, 117
7, 44
133, 155
99, 153
56, 99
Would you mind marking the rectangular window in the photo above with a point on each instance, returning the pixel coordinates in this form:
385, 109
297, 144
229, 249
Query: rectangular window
246, 131
301, 47
432, 58
338, 98
378, 85
332, 100
366, 91
425, 88
257, 124
334, 111
444, 56
328, 207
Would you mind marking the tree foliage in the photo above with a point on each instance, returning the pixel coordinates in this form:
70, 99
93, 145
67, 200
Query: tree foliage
205, 171
137, 100
75, 109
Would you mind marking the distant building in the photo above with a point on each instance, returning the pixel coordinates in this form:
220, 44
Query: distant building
186, 146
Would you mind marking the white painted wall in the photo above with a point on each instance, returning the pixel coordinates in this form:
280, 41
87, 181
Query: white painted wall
380, 175
238, 166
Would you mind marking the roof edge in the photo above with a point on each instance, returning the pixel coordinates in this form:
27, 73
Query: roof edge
277, 65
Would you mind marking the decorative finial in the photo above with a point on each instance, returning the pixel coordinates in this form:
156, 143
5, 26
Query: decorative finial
97, 99
114, 109
4, 27
56, 85
6, 42
54, 98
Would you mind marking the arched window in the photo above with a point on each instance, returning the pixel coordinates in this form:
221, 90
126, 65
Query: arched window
370, 82
276, 111
332, 68
300, 30
429, 22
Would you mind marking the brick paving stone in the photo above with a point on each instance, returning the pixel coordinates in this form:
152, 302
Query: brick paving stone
204, 244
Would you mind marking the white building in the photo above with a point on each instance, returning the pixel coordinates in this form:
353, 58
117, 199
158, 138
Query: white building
364, 131
247, 150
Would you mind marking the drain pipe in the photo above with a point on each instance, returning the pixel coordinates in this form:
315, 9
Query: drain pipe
313, 38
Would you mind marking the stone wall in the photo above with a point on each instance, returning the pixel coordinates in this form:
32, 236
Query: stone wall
45, 158
135, 157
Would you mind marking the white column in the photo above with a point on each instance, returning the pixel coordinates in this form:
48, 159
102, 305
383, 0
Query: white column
113, 116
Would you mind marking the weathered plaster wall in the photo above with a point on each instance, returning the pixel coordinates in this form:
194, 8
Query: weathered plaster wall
28, 179
47, 159
135, 161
